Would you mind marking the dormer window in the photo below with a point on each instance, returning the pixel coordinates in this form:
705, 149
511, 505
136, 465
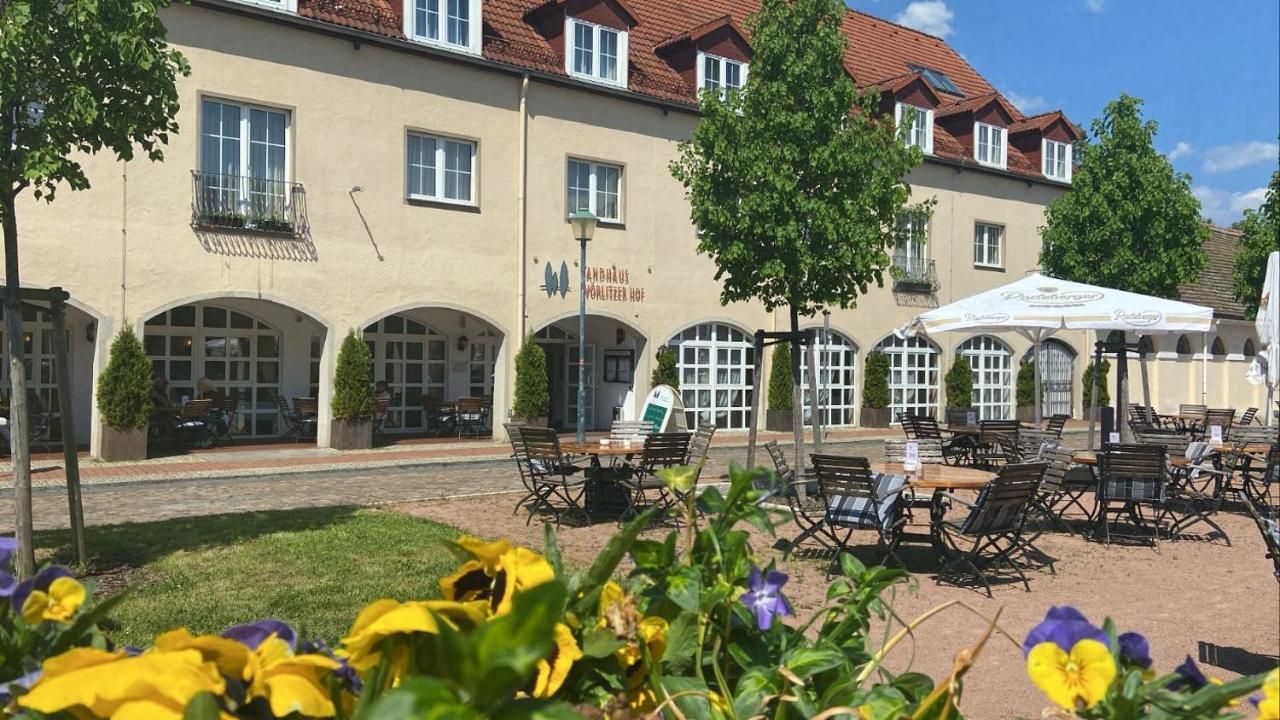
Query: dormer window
1057, 160
450, 23
720, 74
594, 52
920, 132
989, 147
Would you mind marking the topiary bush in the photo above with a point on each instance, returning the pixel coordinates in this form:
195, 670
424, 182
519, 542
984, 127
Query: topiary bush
665, 371
533, 390
1026, 385
124, 388
1104, 395
960, 383
781, 383
352, 393
875, 381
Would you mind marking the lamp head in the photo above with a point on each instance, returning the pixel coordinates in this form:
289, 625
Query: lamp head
584, 225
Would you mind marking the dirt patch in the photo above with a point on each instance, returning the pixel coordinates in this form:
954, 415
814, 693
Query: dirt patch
1215, 602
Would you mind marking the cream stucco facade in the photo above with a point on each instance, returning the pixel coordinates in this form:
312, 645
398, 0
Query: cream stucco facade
127, 251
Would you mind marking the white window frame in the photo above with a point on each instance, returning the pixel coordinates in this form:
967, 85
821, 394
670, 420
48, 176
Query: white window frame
474, 26
991, 362
984, 229
246, 135
913, 374
289, 6
911, 246
924, 115
723, 63
716, 362
1052, 153
993, 131
594, 188
570, 37
439, 197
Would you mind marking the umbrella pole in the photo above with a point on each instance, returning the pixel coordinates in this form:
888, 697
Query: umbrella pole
1122, 396
1146, 385
1039, 397
1093, 394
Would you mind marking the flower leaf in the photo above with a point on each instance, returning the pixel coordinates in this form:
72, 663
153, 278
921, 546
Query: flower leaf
804, 661
682, 642
204, 706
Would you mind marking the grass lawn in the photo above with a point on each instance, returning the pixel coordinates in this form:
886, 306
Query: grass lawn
313, 568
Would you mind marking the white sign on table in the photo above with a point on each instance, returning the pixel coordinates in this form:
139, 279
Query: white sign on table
971, 418
1215, 435
1114, 438
911, 459
663, 410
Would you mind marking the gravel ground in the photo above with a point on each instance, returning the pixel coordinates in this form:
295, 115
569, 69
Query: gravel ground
1215, 602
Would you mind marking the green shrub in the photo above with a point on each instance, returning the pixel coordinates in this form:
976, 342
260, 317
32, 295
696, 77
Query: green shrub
960, 383
1104, 395
533, 390
665, 371
352, 392
781, 384
1026, 386
124, 388
875, 381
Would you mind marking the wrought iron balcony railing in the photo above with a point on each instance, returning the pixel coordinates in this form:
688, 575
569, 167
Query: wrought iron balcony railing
912, 274
241, 203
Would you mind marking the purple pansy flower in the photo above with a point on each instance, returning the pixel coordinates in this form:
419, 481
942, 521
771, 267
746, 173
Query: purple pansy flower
23, 681
8, 583
253, 634
345, 672
1135, 650
1189, 676
1063, 626
41, 582
764, 596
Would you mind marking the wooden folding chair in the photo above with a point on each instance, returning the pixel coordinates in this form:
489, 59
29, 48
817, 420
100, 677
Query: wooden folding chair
550, 475
661, 450
859, 500
993, 528
1134, 476
808, 508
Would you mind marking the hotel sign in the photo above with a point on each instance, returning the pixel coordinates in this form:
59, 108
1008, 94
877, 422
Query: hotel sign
608, 284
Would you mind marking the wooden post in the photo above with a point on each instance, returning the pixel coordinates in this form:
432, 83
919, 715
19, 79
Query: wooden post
757, 383
1146, 387
71, 462
1093, 395
814, 388
1122, 395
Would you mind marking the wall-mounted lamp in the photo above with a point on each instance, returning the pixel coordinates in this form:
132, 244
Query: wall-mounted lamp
91, 331
463, 341
621, 336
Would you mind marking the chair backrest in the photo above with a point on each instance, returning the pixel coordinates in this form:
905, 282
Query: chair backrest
542, 450
908, 423
1010, 450
1254, 434
306, 407
470, 406
1220, 416
1192, 412
958, 416
1140, 414
700, 445
1056, 423
629, 429
283, 405
516, 433
1030, 442
196, 409
665, 450
1057, 461
1249, 414
926, 427
780, 464
1132, 473
895, 451
1174, 443
380, 407
989, 430
844, 476
1002, 503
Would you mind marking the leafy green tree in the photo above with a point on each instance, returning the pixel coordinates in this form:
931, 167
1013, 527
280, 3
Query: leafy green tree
124, 388
959, 383
1129, 221
1261, 237
533, 386
795, 183
781, 396
1104, 395
665, 371
352, 395
76, 77
875, 381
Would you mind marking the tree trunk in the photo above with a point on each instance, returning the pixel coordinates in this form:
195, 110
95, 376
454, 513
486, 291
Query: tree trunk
1122, 397
797, 396
18, 440
753, 424
815, 389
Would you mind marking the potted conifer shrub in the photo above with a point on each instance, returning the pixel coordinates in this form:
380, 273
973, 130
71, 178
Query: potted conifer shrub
666, 370
124, 400
875, 391
352, 402
1026, 392
533, 388
1104, 395
777, 415
959, 383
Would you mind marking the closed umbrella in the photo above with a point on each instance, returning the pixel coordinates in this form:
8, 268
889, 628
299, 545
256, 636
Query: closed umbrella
1266, 366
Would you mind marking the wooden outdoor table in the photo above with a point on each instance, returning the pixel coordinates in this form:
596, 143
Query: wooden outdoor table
938, 477
607, 495
596, 450
1090, 457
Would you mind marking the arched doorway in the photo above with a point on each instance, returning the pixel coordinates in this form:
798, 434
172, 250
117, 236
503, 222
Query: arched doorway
913, 374
1058, 377
837, 362
992, 364
42, 381
717, 365
613, 351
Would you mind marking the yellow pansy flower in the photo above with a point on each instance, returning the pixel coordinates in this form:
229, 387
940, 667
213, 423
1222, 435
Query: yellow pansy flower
59, 603
231, 656
486, 552
1269, 706
384, 618
156, 685
497, 574
652, 631
1078, 678
290, 683
553, 670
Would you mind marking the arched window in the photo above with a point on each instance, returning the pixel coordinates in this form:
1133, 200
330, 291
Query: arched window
913, 375
1146, 346
1184, 345
1218, 349
411, 358
992, 364
837, 379
1249, 349
1115, 336
716, 363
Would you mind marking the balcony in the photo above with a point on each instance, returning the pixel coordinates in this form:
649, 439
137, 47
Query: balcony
913, 275
244, 204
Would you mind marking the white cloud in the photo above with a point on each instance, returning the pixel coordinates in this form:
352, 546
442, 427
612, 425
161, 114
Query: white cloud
1225, 207
1095, 6
1226, 158
1181, 150
1029, 104
927, 16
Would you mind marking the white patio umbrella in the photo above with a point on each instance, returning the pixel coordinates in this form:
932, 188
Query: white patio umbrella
1266, 366
1037, 306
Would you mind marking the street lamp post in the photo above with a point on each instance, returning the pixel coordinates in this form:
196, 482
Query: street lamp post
584, 227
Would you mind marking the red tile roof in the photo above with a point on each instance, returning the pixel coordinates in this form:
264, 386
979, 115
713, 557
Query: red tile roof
1215, 287
878, 52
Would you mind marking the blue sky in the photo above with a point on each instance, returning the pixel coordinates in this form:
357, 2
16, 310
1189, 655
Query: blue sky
1208, 71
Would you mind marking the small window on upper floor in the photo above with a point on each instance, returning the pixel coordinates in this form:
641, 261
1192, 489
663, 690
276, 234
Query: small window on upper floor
1057, 160
596, 187
449, 23
1249, 350
1184, 345
1218, 349
286, 5
989, 145
920, 132
594, 52
440, 169
720, 74
988, 242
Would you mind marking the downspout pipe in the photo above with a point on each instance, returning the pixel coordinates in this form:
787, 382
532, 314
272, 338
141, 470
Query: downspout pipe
522, 225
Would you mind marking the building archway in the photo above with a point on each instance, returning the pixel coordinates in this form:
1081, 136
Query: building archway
716, 361
837, 361
1058, 377
992, 363
615, 351
913, 374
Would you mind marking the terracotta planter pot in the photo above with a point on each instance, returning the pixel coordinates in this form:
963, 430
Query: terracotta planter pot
1027, 414
778, 420
875, 417
345, 435
123, 445
527, 422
